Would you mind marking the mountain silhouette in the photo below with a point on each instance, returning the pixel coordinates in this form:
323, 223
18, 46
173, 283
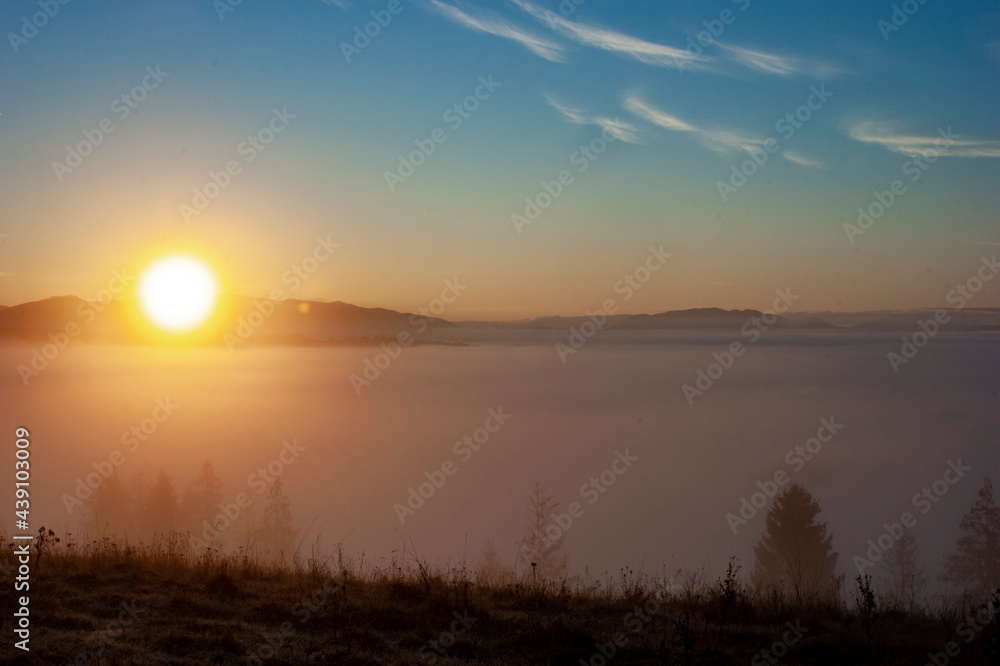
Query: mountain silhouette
288, 320
305, 322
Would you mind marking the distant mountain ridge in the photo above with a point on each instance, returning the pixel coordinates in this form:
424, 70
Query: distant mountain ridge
308, 322
965, 319
52, 313
673, 320
311, 320
697, 318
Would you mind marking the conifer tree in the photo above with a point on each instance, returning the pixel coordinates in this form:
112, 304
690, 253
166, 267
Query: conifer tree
906, 576
110, 508
542, 546
276, 532
491, 570
162, 512
795, 554
976, 565
202, 499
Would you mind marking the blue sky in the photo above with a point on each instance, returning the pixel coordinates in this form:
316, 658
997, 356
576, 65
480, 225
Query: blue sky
681, 121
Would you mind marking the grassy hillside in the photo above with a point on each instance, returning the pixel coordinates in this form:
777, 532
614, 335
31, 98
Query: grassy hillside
110, 603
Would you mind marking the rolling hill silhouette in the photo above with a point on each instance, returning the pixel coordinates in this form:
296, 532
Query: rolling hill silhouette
289, 320
319, 322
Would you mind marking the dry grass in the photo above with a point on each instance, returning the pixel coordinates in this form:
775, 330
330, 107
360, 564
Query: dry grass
113, 603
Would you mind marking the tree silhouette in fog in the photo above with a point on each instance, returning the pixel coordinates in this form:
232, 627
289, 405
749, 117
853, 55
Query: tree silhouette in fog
203, 497
162, 511
902, 563
976, 565
276, 534
542, 546
110, 508
491, 571
795, 555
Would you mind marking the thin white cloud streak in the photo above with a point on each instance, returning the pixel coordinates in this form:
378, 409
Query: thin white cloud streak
721, 141
649, 53
615, 127
656, 116
501, 28
911, 145
572, 115
764, 62
802, 160
771, 63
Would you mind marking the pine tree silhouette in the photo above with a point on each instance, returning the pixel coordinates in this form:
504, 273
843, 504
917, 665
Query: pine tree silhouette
543, 541
902, 564
276, 533
795, 555
203, 497
491, 570
976, 566
110, 508
162, 510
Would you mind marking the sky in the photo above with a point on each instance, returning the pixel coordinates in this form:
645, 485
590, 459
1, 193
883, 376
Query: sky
651, 113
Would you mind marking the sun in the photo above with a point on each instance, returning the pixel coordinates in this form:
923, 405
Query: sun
178, 293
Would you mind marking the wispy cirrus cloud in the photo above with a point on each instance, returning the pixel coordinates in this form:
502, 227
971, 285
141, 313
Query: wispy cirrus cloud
656, 116
649, 53
721, 141
497, 26
764, 62
884, 134
802, 160
614, 126
780, 65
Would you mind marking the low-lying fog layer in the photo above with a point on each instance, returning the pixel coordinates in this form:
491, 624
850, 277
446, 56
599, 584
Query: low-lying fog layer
681, 467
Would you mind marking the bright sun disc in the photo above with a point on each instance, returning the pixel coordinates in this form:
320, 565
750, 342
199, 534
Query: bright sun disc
178, 293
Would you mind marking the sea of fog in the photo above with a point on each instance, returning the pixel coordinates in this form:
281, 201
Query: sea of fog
361, 450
